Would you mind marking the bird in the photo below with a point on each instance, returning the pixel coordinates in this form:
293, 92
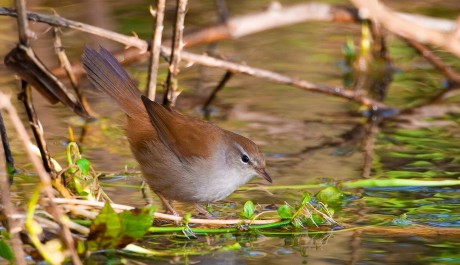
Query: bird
182, 158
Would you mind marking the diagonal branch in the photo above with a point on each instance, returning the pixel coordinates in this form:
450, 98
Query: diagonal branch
405, 28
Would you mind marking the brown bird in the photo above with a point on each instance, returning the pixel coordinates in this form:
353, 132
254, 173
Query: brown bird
181, 157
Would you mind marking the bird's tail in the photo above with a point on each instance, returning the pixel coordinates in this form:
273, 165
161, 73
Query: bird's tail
106, 73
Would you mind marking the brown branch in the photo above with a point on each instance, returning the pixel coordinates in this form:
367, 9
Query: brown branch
445, 69
6, 105
26, 97
216, 90
23, 26
55, 20
155, 49
171, 92
65, 63
9, 160
400, 26
278, 78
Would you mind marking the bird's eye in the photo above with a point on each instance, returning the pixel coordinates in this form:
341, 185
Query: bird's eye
245, 159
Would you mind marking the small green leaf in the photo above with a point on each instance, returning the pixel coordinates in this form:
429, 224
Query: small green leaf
104, 230
284, 211
248, 210
84, 166
331, 196
5, 251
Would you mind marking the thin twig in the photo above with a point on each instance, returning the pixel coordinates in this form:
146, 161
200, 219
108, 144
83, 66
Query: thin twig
23, 26
45, 179
65, 63
13, 225
216, 90
171, 92
279, 78
435, 61
155, 49
405, 28
6, 148
121, 207
26, 97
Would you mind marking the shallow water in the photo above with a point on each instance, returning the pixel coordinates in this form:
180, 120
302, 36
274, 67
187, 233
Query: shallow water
307, 138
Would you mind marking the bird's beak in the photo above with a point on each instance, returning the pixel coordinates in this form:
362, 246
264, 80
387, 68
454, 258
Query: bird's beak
264, 174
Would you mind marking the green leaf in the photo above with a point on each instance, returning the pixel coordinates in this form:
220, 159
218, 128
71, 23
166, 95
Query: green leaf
5, 251
248, 210
104, 230
330, 196
84, 166
134, 224
284, 211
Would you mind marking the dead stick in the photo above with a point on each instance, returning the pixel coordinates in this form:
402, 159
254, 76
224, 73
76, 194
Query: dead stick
65, 63
26, 97
405, 28
216, 90
10, 169
155, 49
23, 26
434, 60
5, 104
13, 225
175, 55
278, 78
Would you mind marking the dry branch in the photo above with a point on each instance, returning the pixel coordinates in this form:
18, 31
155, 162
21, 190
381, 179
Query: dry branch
175, 55
400, 26
155, 49
435, 61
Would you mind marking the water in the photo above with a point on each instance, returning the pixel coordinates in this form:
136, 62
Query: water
307, 138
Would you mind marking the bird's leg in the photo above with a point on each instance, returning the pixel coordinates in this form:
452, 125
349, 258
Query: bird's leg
203, 211
167, 205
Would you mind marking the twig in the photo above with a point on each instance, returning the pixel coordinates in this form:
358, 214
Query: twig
435, 61
13, 227
216, 90
279, 78
155, 49
171, 92
10, 170
55, 20
65, 63
121, 207
400, 26
6, 105
26, 97
23, 27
